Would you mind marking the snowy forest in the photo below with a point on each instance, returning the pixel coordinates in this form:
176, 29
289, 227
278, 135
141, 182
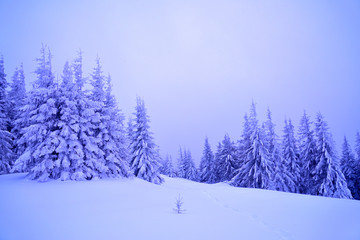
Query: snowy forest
72, 129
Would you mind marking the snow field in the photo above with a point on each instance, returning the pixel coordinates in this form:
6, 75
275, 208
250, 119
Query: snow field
136, 209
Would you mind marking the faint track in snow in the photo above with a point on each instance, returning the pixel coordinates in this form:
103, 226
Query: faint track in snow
282, 234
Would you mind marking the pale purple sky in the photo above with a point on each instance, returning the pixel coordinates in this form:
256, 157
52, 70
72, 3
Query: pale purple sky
199, 64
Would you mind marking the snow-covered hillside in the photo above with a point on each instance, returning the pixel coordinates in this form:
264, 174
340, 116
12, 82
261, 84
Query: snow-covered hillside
136, 209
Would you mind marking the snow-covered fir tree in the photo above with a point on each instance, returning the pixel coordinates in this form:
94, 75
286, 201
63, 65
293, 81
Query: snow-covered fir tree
167, 167
282, 179
6, 153
257, 170
17, 93
350, 168
93, 126
226, 159
357, 165
328, 177
180, 161
144, 154
357, 147
189, 167
244, 142
68, 127
77, 66
41, 131
17, 96
216, 156
114, 142
87, 115
207, 172
291, 156
186, 165
307, 154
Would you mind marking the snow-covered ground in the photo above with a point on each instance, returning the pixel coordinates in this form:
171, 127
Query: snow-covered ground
135, 209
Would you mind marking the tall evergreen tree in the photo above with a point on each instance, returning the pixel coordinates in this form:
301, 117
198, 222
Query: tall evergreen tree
186, 165
226, 160
17, 96
329, 180
357, 165
17, 93
114, 142
207, 165
291, 156
257, 170
5, 136
281, 178
167, 167
144, 155
77, 66
70, 151
40, 133
245, 142
93, 126
350, 169
189, 167
357, 147
87, 116
180, 164
307, 154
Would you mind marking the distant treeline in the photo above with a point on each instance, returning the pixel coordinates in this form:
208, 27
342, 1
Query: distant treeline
304, 163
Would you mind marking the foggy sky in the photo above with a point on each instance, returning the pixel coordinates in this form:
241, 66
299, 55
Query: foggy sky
199, 64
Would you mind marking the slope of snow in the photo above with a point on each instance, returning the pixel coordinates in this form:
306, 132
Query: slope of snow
135, 209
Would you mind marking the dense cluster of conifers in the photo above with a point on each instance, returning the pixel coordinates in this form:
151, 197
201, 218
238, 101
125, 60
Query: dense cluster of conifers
306, 163
73, 130
61, 130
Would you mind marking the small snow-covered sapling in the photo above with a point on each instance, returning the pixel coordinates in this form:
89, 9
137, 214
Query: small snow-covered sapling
178, 205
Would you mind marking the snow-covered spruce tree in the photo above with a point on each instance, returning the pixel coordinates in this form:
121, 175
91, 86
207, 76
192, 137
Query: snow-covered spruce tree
357, 157
257, 171
186, 166
5, 136
329, 180
291, 156
216, 160
350, 169
170, 167
226, 159
357, 165
180, 165
17, 96
70, 150
307, 154
207, 172
17, 93
244, 142
92, 123
190, 169
79, 80
144, 154
87, 117
41, 132
281, 179
114, 143
167, 167
357, 147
